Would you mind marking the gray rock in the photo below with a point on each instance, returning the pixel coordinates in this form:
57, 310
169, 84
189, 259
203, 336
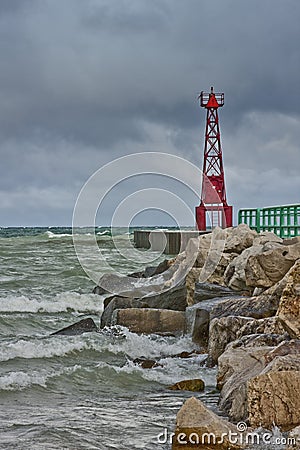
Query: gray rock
260, 340
287, 347
113, 303
83, 326
198, 325
221, 332
195, 419
235, 367
257, 307
99, 290
235, 276
145, 320
268, 267
146, 363
153, 270
269, 325
267, 236
198, 318
290, 361
292, 241
173, 299
245, 359
274, 398
289, 306
239, 238
206, 291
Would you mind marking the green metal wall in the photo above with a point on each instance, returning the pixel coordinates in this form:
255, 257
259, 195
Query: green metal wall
282, 220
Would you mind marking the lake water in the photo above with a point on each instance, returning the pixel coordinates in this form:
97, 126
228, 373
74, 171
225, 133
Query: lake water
79, 392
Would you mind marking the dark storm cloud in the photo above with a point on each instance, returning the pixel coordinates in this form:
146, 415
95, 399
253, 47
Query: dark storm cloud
83, 82
70, 66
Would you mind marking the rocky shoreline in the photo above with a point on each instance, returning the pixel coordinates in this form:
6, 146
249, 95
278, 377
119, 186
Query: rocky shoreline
240, 303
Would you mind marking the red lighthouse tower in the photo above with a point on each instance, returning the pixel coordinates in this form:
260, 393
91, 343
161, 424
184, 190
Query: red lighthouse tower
213, 195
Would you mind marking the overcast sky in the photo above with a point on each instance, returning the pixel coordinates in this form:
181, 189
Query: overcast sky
85, 82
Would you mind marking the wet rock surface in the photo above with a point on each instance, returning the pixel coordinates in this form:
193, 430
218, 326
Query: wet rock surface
83, 326
147, 363
173, 299
144, 320
195, 385
206, 291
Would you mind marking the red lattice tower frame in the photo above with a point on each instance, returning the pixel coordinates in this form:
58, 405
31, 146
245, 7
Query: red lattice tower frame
213, 195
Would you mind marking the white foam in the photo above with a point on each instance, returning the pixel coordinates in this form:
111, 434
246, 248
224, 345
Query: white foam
20, 380
149, 346
54, 235
17, 381
172, 371
67, 301
42, 348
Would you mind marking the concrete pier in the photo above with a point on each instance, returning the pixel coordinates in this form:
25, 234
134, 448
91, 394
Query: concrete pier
168, 241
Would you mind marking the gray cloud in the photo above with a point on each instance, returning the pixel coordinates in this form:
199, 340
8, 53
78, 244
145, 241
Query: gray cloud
84, 82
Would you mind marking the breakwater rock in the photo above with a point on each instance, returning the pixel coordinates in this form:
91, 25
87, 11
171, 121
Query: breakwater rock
239, 300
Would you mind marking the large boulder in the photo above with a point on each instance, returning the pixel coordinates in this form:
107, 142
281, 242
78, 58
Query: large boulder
221, 332
246, 359
206, 291
262, 306
269, 325
212, 258
235, 367
239, 238
286, 362
268, 267
151, 271
216, 265
235, 276
173, 299
267, 236
260, 340
199, 427
137, 285
197, 322
274, 398
289, 306
198, 319
110, 305
261, 265
257, 307
145, 320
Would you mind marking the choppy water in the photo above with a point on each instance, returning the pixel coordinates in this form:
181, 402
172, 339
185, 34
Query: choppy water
78, 392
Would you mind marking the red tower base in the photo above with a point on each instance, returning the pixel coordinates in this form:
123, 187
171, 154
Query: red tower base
224, 216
